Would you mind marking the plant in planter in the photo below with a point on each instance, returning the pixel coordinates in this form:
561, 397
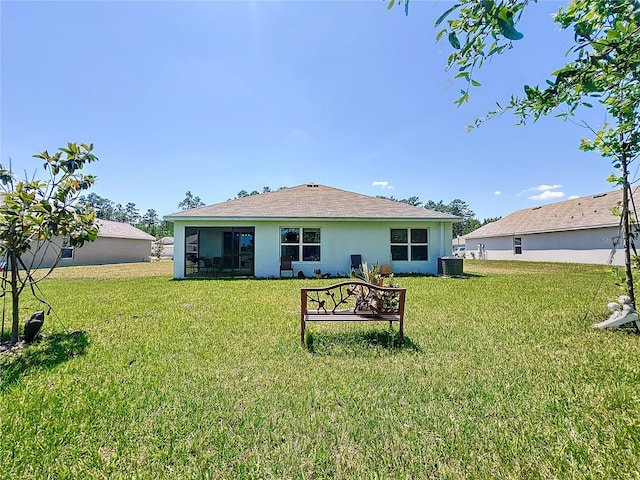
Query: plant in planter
375, 300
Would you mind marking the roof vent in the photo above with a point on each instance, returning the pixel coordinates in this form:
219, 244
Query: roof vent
600, 196
536, 208
312, 185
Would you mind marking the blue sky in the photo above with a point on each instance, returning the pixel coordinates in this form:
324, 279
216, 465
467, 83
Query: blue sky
217, 97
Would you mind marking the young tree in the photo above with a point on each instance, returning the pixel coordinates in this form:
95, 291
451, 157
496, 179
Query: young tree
190, 202
36, 215
602, 68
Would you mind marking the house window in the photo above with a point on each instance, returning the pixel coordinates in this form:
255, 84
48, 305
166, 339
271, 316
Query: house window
409, 243
517, 245
66, 252
300, 243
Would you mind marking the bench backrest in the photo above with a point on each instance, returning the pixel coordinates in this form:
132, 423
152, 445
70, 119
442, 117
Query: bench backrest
352, 297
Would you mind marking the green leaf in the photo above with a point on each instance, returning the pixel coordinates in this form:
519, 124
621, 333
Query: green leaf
475, 83
488, 5
391, 3
440, 34
508, 30
530, 92
453, 40
446, 14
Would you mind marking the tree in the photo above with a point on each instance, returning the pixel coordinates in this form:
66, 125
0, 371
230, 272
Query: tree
37, 215
413, 201
157, 248
190, 202
602, 68
103, 206
165, 229
132, 214
150, 221
470, 225
459, 208
437, 207
489, 220
119, 214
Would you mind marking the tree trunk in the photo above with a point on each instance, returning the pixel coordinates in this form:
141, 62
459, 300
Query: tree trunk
626, 194
15, 297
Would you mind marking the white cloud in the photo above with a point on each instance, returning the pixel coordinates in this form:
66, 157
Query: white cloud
543, 188
497, 192
547, 195
573, 197
382, 184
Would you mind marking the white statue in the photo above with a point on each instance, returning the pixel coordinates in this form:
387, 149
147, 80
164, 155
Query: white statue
621, 314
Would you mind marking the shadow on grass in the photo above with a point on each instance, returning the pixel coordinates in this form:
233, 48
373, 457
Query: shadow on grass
46, 353
329, 343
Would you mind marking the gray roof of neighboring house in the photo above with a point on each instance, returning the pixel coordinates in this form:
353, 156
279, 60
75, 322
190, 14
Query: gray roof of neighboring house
312, 201
593, 211
112, 229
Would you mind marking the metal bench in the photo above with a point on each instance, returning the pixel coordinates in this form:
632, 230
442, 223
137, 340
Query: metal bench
351, 302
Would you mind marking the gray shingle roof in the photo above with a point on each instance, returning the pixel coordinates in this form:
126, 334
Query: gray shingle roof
112, 229
312, 201
593, 211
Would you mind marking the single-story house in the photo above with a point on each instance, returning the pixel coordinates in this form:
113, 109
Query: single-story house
458, 245
167, 250
580, 230
116, 243
319, 227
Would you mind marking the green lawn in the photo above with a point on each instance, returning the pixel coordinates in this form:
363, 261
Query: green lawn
500, 376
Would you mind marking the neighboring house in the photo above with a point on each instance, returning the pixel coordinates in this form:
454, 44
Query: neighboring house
458, 243
318, 226
167, 251
581, 230
116, 243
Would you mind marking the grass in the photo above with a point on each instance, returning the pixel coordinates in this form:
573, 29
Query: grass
500, 376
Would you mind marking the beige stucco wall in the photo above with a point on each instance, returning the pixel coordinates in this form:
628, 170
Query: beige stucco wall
577, 246
104, 250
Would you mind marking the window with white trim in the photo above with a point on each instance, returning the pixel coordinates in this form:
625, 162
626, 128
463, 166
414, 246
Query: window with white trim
301, 244
67, 252
409, 243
